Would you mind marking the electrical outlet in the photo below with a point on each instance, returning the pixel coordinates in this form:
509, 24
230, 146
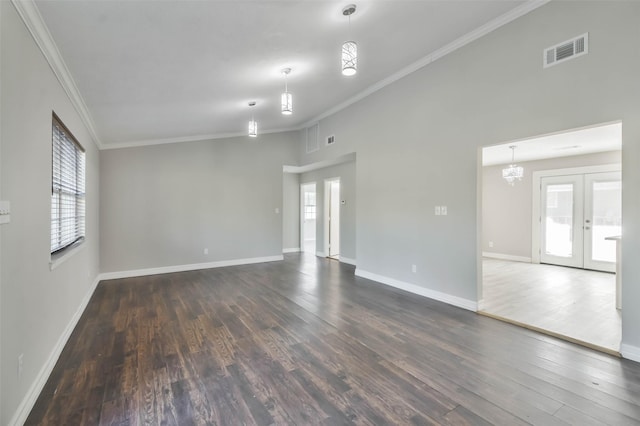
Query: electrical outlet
206, 251
20, 364
277, 210
491, 244
414, 269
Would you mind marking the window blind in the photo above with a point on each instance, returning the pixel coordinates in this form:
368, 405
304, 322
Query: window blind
67, 188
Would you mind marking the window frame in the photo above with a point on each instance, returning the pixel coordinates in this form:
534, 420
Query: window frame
76, 188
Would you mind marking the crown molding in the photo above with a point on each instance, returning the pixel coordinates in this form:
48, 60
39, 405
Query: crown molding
194, 138
434, 56
32, 18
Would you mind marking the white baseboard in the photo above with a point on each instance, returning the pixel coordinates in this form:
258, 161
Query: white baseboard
321, 254
183, 268
506, 257
630, 352
416, 289
347, 260
291, 250
29, 400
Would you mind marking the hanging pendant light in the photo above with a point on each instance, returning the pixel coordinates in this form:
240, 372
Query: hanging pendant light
253, 124
513, 172
349, 48
286, 98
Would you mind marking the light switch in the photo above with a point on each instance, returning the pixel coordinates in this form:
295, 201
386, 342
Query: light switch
277, 210
5, 212
437, 210
443, 210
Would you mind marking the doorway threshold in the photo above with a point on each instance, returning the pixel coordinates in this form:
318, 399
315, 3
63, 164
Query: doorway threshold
560, 336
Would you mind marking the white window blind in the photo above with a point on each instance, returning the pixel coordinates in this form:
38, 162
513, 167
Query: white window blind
67, 188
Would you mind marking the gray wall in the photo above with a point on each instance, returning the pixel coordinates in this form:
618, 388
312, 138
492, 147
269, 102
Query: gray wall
162, 205
38, 304
290, 211
347, 174
506, 210
418, 140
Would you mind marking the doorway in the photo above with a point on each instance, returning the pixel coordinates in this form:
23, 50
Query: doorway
332, 215
308, 215
558, 213
578, 212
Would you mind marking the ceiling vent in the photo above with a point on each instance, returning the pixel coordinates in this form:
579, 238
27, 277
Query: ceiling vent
566, 50
331, 140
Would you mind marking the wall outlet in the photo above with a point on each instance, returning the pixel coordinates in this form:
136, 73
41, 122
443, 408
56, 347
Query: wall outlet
20, 364
206, 251
491, 244
414, 269
277, 210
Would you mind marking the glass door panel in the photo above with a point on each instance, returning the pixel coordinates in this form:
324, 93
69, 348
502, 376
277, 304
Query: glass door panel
603, 218
561, 221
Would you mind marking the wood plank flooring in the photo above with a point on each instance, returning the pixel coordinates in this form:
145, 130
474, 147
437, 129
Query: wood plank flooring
576, 303
304, 342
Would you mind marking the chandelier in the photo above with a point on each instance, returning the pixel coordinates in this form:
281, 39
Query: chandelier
349, 48
253, 124
286, 98
513, 172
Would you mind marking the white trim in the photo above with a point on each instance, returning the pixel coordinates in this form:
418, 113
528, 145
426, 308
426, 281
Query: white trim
58, 260
29, 400
419, 290
535, 203
320, 164
506, 257
193, 138
630, 352
347, 260
32, 18
189, 267
291, 250
321, 254
481, 305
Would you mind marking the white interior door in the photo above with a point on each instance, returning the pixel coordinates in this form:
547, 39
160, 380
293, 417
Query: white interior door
578, 213
603, 218
334, 218
561, 220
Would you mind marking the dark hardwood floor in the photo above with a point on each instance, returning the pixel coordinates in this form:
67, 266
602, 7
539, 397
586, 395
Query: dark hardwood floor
302, 342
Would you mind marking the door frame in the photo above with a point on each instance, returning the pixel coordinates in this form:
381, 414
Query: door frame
535, 205
327, 212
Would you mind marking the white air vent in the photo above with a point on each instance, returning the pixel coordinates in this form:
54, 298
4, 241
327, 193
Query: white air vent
331, 139
566, 50
312, 138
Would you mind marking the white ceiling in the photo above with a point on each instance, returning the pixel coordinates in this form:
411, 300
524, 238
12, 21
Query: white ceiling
162, 70
575, 142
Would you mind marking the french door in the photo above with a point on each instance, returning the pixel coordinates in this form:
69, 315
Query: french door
578, 213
